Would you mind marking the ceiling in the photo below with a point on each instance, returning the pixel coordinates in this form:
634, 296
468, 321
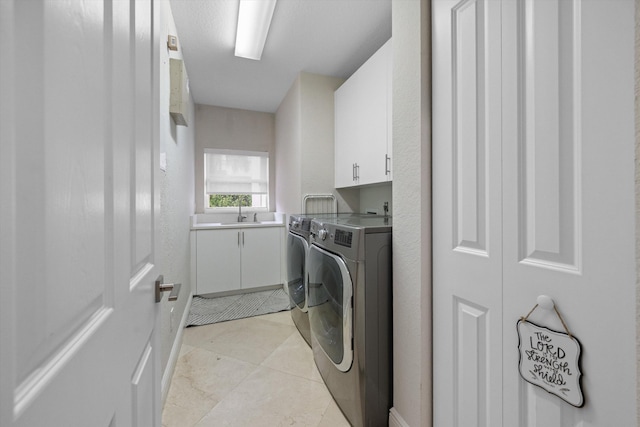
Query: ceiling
328, 37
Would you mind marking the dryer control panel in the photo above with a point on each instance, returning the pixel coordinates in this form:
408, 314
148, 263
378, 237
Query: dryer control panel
343, 238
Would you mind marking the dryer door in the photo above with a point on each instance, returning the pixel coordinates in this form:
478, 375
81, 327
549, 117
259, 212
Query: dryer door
330, 305
297, 249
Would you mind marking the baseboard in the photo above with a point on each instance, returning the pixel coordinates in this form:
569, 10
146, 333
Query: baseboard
395, 420
175, 352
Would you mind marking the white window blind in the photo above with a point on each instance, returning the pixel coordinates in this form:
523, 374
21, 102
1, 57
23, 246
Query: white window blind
236, 172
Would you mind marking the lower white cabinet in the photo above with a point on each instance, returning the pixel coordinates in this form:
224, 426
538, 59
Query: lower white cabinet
233, 259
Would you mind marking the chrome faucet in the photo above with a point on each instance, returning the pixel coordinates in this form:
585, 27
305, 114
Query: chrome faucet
240, 216
255, 217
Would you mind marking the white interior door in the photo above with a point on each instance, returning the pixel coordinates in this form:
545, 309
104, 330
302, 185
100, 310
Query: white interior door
564, 196
78, 128
568, 186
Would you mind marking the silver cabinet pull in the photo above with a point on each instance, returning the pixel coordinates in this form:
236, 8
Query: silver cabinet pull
238, 239
161, 287
243, 239
387, 161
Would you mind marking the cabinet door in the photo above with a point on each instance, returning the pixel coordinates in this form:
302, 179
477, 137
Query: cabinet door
389, 122
217, 260
346, 134
363, 123
261, 259
373, 119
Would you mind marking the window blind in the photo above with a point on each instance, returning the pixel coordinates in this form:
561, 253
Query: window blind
246, 173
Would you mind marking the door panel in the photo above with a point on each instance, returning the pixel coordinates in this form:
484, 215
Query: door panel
218, 260
467, 219
548, 146
77, 219
261, 257
569, 200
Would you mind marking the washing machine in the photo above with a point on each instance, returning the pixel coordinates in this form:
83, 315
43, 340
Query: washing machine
349, 306
297, 253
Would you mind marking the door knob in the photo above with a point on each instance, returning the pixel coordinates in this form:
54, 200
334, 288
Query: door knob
161, 287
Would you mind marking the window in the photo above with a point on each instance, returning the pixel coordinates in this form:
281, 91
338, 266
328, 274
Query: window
233, 177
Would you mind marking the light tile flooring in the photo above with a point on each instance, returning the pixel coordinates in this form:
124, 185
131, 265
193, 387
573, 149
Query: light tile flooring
249, 372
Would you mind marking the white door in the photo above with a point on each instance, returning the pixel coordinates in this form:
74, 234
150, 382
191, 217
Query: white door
467, 215
559, 175
78, 123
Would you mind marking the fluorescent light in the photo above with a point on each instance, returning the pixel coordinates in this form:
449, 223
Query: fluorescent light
254, 20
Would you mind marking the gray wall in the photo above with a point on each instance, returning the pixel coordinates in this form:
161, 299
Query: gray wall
176, 197
412, 212
229, 128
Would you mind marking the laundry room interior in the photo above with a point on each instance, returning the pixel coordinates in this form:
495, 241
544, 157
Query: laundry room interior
294, 139
321, 213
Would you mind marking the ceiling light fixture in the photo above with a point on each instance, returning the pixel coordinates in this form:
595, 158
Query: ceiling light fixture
254, 20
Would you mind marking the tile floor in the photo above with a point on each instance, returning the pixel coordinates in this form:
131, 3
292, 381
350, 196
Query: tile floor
249, 372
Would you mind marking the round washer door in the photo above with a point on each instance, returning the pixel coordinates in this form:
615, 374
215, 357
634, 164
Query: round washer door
330, 308
297, 249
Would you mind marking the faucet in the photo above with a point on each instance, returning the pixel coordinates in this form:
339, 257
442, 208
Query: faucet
240, 216
255, 217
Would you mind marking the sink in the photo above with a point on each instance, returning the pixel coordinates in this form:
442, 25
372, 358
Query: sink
228, 220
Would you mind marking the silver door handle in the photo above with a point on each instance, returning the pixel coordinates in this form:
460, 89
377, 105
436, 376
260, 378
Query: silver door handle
161, 287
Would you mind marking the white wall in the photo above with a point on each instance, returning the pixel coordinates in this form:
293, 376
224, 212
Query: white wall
176, 196
229, 128
412, 219
288, 152
305, 144
372, 198
637, 122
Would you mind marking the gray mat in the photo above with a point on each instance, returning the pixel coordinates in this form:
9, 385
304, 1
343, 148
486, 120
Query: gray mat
205, 311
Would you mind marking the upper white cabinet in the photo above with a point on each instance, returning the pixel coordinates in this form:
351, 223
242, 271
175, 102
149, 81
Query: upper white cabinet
363, 123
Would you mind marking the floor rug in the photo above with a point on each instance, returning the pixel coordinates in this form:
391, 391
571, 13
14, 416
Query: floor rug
205, 311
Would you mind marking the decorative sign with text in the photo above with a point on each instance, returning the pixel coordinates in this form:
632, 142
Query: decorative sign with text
550, 360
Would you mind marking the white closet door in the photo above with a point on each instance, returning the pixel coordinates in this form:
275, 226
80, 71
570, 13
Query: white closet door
558, 180
568, 150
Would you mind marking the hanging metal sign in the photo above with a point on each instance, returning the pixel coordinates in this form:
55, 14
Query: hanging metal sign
550, 359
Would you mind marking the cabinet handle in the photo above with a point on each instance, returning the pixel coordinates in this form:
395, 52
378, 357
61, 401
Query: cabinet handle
387, 160
238, 239
357, 171
353, 171
243, 239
